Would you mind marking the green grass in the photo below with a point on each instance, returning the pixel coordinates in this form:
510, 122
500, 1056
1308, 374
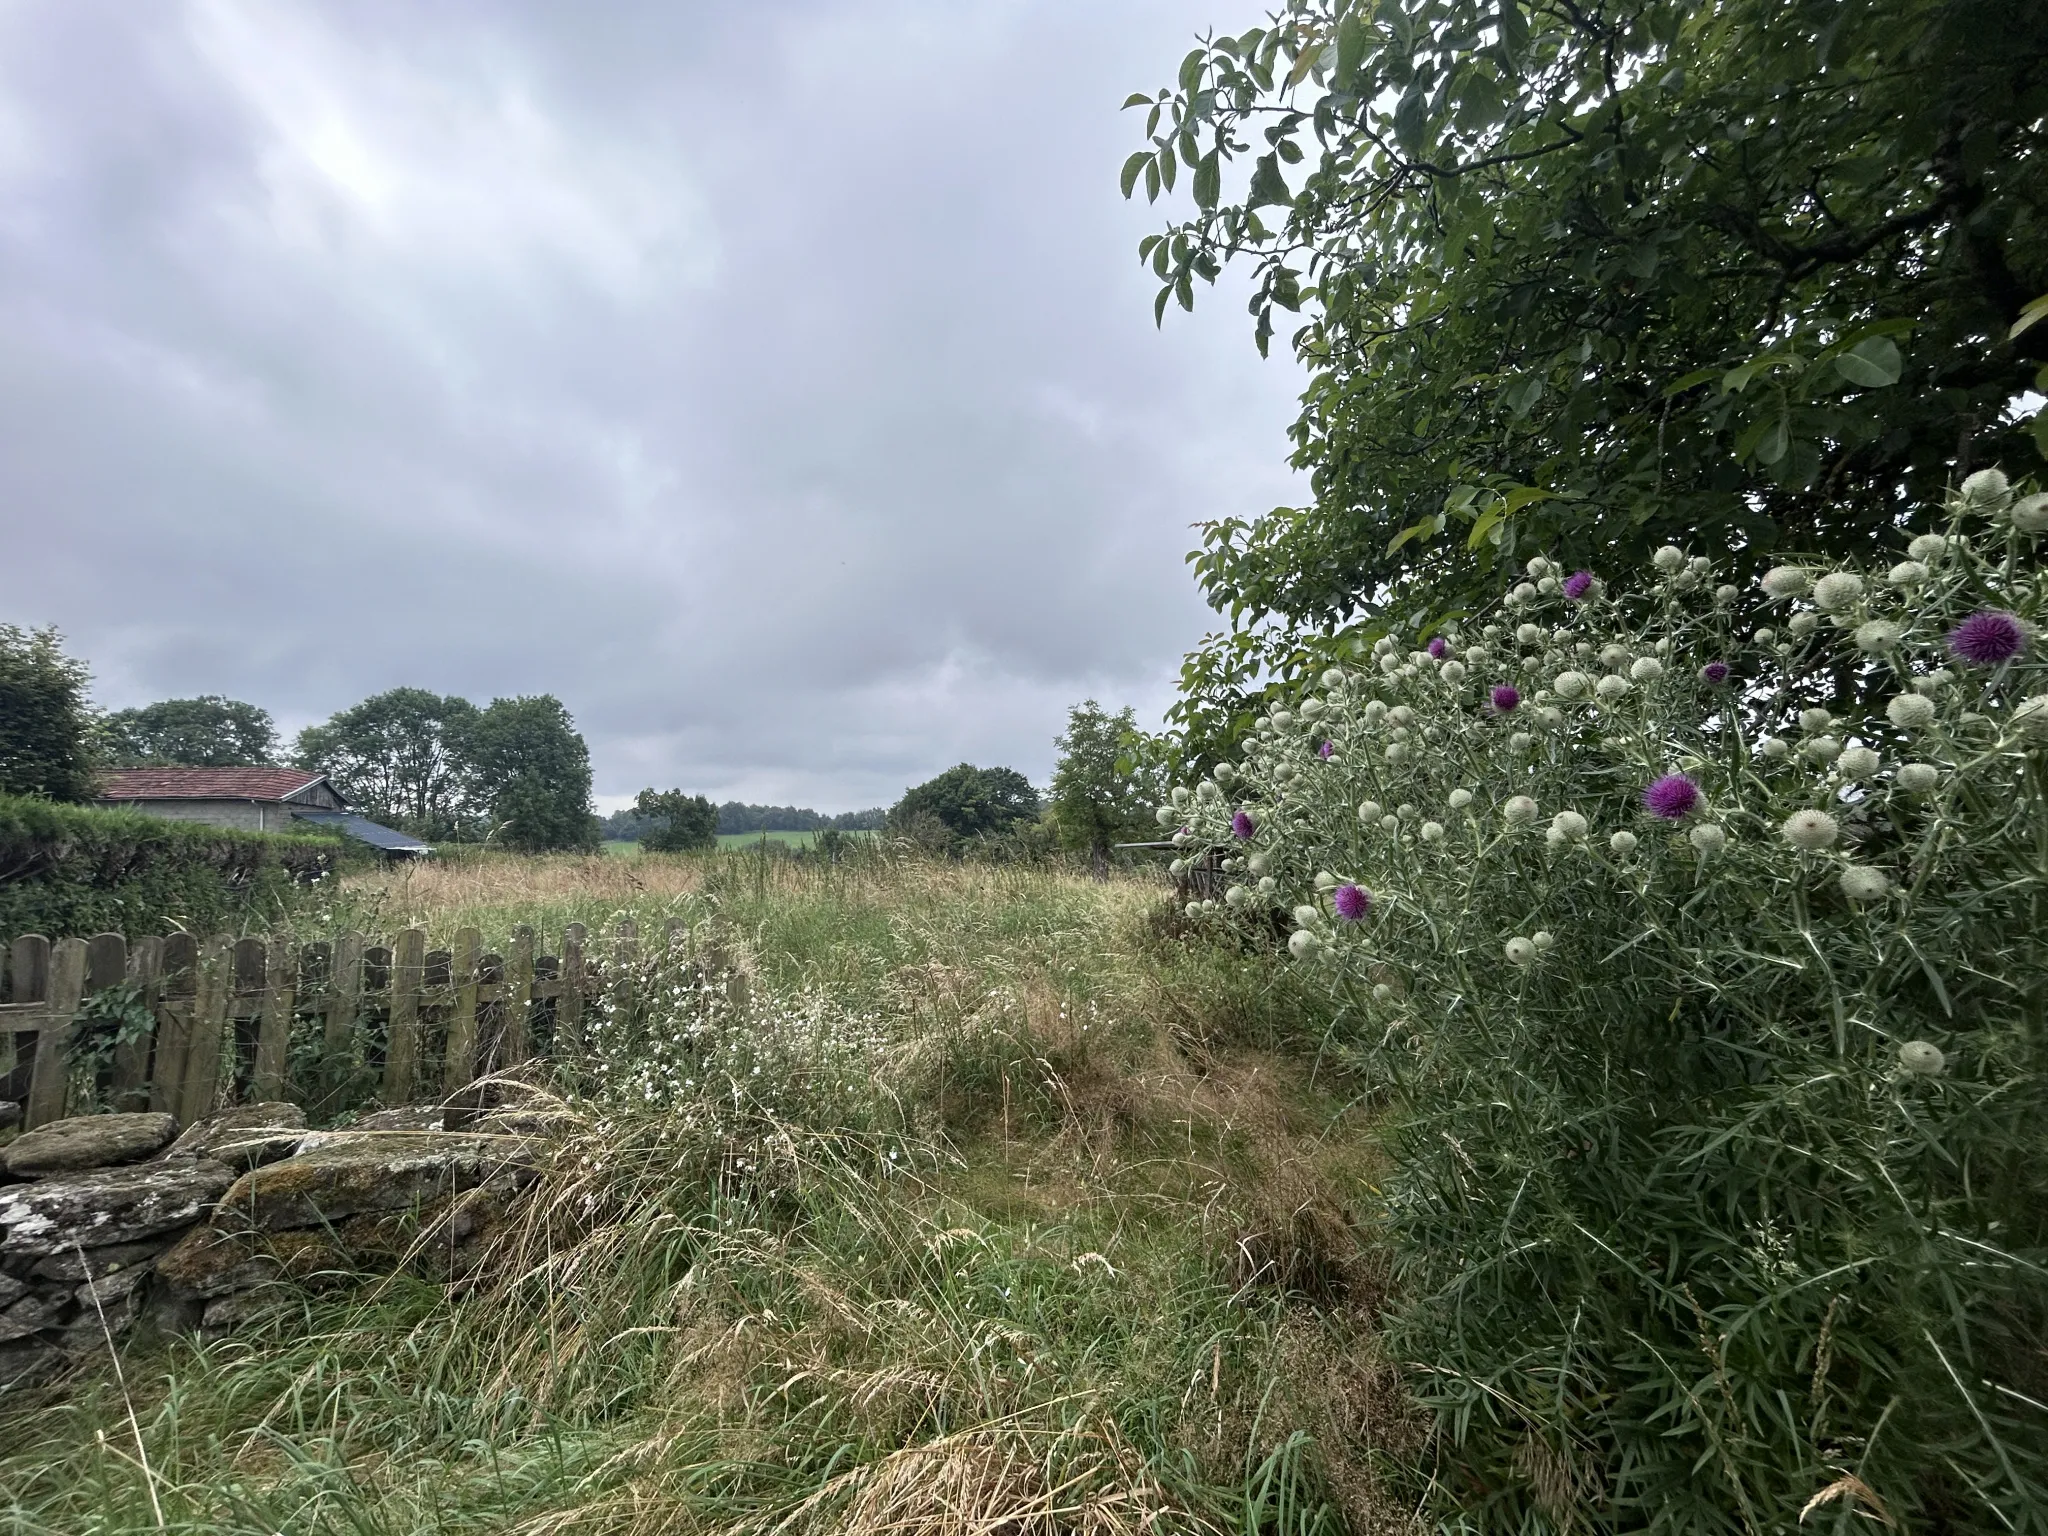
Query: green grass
1033, 1217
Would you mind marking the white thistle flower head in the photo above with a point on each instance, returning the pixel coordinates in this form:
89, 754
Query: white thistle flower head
1333, 678
1910, 711
1178, 866
1860, 882
1774, 749
1193, 909
1208, 792
1766, 636
1310, 708
1400, 714
1549, 716
1268, 885
1397, 751
1571, 824
1168, 816
1460, 798
1283, 718
1614, 657
1432, 831
1813, 721
1305, 916
1223, 773
1381, 992
1476, 655
1876, 636
1325, 881
2030, 514
1907, 573
1918, 778
1405, 811
1529, 634
1933, 682
1180, 794
1928, 547
1570, 685
1922, 1058
1800, 625
1383, 646
1857, 763
1259, 863
1390, 663
1784, 581
1707, 837
1520, 741
1302, 944
1554, 837
1520, 951
1623, 843
1822, 749
1838, 590
1373, 713
1810, 831
1537, 567
1549, 586
1454, 672
1369, 811
1725, 595
2030, 716
1668, 559
1646, 669
1544, 940
1236, 896
1611, 687
1525, 592
1519, 811
1390, 823
1987, 489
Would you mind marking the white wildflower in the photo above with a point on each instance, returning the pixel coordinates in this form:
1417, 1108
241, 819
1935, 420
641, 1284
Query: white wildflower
1325, 881
1800, 625
1544, 940
1400, 714
1784, 581
1193, 909
1302, 944
1669, 558
1986, 489
1537, 567
1708, 838
1390, 823
1397, 752
1333, 678
1549, 716
1933, 682
1876, 636
1311, 708
1207, 792
1223, 773
1390, 663
1432, 831
2030, 515
1910, 712
1860, 882
1611, 687
1381, 992
1305, 916
1922, 1058
1570, 823
1460, 798
1476, 655
1521, 741
1813, 721
1570, 685
1268, 885
1810, 831
1646, 669
1519, 811
1822, 749
1283, 718
1614, 657
1549, 586
1773, 749
1178, 866
1454, 671
1529, 634
1368, 811
1623, 843
1857, 763
1168, 816
1525, 592
1236, 896
1918, 778
1766, 636
1180, 794
1907, 573
1838, 590
1929, 546
1520, 951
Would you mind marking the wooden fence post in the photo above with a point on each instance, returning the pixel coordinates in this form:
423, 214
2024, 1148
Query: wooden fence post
569, 1011
274, 1027
177, 986
518, 1000
131, 1058
50, 1078
461, 1062
344, 993
210, 1011
402, 1045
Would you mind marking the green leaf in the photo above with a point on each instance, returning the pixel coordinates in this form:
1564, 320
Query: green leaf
2032, 314
1136, 99
1303, 63
1352, 39
1152, 181
1487, 528
1133, 168
1873, 363
1268, 185
1421, 530
1191, 71
1771, 446
1691, 380
1208, 184
1168, 166
2041, 432
1409, 120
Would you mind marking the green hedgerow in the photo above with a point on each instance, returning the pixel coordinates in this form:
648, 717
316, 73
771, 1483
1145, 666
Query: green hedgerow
1699, 938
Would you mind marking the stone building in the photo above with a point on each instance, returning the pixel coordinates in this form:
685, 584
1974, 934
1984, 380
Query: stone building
248, 800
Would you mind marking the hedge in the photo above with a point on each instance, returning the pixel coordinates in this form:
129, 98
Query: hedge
69, 870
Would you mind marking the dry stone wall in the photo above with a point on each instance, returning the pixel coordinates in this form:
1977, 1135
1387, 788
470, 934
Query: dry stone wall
117, 1221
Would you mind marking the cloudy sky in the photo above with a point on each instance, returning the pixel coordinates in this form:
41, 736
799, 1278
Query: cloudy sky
772, 381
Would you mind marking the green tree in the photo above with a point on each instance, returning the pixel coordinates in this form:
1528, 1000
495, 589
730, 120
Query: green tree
969, 801
1102, 792
688, 822
47, 739
399, 756
1752, 274
206, 732
529, 773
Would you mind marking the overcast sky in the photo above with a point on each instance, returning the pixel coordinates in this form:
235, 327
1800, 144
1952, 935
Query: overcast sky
774, 382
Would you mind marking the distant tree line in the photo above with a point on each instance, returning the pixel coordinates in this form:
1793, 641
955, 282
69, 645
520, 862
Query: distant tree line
631, 826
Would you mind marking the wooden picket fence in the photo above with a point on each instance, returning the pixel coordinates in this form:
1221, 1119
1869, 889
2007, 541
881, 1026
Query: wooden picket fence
222, 1011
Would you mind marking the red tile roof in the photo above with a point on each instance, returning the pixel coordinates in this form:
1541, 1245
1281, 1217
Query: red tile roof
204, 783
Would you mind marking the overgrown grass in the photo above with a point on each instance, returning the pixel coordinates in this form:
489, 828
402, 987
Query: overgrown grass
1077, 1247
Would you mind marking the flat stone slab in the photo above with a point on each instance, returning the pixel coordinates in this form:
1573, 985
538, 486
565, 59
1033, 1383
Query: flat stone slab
208, 1262
340, 1174
245, 1138
107, 1206
87, 1141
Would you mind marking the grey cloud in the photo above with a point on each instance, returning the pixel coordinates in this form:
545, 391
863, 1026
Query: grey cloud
774, 384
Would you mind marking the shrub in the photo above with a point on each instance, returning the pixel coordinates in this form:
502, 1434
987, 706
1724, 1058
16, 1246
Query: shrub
1699, 940
46, 726
69, 870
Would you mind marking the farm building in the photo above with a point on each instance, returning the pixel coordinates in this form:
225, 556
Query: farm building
249, 800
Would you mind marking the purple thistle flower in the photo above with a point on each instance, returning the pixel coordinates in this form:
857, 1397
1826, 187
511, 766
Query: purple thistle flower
1438, 646
1987, 637
1715, 672
1578, 584
1672, 798
1327, 749
1351, 901
1505, 698
1243, 825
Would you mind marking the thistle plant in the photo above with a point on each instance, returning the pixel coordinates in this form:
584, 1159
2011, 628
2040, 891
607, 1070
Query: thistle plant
1697, 938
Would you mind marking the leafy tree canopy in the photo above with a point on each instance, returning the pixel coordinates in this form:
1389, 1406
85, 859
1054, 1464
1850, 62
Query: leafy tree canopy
529, 774
970, 801
685, 822
398, 756
1753, 274
47, 745
206, 732
1102, 793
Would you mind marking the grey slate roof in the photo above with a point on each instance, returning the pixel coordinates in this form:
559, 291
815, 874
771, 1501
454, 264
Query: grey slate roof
365, 830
